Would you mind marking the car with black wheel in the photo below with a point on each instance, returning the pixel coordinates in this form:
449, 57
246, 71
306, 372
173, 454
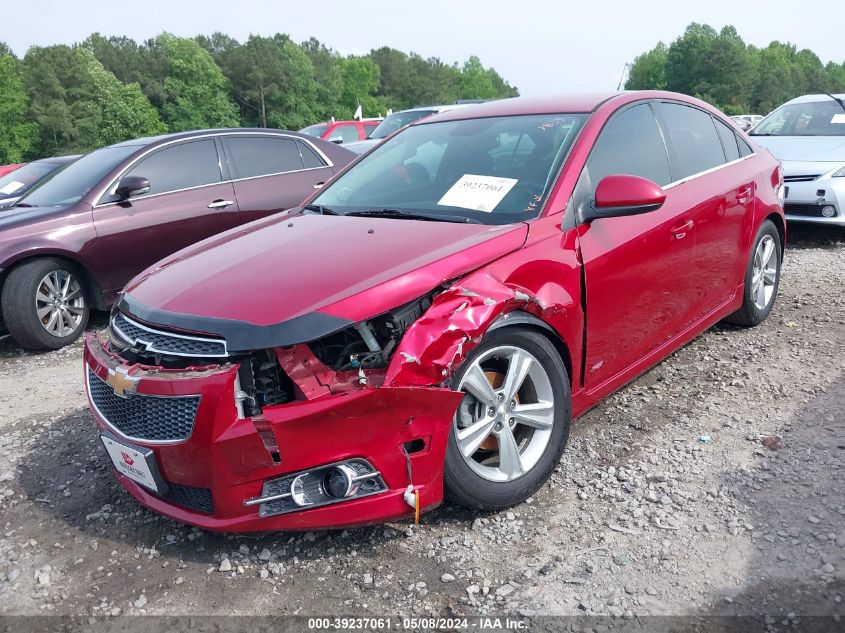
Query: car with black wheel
71, 243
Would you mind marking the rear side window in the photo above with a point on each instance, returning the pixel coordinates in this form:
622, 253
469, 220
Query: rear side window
696, 142
728, 140
309, 157
252, 156
744, 147
631, 144
180, 167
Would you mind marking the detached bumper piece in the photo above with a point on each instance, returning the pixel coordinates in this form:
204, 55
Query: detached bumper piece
343, 481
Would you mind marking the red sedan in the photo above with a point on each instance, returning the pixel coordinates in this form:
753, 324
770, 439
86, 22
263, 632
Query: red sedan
437, 315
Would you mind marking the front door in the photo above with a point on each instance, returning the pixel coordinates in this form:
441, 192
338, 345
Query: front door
637, 268
187, 202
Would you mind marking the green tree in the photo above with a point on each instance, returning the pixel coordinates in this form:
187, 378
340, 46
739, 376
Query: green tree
328, 76
360, 78
145, 64
196, 91
18, 135
648, 72
476, 82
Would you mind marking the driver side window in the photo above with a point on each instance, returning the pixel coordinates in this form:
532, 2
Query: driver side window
630, 143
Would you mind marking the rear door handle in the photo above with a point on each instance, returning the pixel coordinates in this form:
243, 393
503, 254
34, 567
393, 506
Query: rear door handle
319, 185
680, 231
220, 204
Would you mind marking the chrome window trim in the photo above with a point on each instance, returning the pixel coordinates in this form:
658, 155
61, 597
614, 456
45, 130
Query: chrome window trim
686, 179
139, 440
212, 135
150, 348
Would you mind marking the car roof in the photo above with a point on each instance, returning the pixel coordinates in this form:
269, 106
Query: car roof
151, 140
61, 160
435, 108
815, 97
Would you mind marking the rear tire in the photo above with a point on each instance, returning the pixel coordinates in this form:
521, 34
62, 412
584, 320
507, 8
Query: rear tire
45, 304
525, 419
762, 278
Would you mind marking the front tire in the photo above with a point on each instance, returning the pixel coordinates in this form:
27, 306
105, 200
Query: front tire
44, 304
762, 278
511, 427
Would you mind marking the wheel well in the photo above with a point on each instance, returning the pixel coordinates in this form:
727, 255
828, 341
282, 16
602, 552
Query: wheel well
92, 288
777, 220
530, 322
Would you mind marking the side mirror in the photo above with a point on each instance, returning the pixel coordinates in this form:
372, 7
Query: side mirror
132, 186
336, 139
622, 194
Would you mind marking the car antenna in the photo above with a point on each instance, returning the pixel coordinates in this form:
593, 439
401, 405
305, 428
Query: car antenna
837, 99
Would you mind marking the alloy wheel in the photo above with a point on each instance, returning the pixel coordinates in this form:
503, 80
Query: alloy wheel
764, 272
505, 420
60, 303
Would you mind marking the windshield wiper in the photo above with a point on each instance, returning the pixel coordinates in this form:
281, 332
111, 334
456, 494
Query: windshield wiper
318, 208
408, 215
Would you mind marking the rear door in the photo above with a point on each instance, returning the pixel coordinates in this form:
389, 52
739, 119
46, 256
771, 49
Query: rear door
272, 172
188, 201
707, 167
637, 268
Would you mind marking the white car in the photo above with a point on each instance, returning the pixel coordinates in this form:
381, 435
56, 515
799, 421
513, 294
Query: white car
397, 121
807, 135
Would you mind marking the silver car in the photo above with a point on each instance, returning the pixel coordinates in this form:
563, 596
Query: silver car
807, 135
394, 122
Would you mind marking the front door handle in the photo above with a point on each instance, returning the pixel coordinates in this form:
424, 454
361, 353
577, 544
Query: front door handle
220, 204
743, 195
680, 231
319, 185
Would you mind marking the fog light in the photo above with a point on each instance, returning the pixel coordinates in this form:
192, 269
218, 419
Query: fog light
828, 211
333, 483
339, 482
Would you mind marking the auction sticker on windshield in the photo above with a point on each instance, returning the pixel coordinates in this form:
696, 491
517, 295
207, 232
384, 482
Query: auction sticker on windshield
12, 187
838, 118
479, 193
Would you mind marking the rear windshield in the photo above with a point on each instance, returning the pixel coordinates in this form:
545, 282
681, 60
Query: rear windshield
816, 118
495, 170
71, 183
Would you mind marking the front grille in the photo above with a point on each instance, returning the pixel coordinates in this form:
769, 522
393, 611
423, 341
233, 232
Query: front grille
144, 417
801, 178
166, 342
193, 498
812, 210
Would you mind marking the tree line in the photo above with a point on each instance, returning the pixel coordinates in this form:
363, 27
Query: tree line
72, 99
736, 77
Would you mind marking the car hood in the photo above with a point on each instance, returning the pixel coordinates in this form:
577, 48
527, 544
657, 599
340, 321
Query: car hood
344, 269
359, 147
11, 217
804, 148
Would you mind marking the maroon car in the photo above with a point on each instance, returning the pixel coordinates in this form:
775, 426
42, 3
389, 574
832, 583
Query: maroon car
73, 242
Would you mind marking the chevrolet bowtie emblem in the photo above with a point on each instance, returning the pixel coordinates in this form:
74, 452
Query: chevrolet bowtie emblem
122, 383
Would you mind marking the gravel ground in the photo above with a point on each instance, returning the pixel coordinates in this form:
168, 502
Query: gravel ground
711, 485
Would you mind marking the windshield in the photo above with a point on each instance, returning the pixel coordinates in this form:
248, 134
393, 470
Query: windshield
397, 122
16, 183
495, 170
70, 184
817, 118
315, 130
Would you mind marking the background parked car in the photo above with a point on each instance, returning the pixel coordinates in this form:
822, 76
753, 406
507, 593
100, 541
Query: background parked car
342, 132
5, 169
397, 121
807, 135
72, 243
17, 183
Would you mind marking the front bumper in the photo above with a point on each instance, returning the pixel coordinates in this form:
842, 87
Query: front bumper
228, 459
805, 200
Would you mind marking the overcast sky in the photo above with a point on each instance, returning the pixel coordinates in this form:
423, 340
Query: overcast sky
541, 46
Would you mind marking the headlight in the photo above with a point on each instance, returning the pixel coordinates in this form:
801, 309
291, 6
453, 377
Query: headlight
839, 173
